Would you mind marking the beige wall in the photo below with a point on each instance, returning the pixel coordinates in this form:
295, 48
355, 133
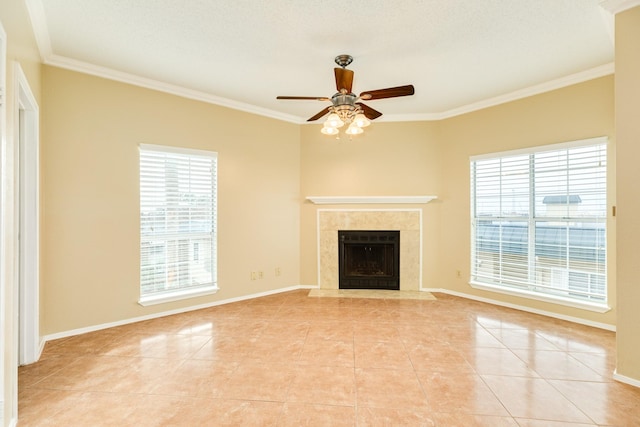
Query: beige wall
627, 95
577, 112
91, 128
389, 159
432, 158
21, 51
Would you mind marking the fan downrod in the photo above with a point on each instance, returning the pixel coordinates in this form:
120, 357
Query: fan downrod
343, 60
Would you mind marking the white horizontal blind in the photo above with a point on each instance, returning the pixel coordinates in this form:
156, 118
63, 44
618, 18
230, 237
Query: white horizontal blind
177, 219
539, 221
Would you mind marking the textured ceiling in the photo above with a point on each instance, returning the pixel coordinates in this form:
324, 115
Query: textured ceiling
459, 54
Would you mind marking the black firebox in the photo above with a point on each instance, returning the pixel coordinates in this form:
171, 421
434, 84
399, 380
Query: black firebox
369, 259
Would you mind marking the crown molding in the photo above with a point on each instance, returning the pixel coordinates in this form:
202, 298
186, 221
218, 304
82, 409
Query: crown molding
426, 117
572, 79
108, 73
617, 6
583, 76
35, 10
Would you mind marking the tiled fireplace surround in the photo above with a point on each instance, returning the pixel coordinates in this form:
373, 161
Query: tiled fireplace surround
407, 221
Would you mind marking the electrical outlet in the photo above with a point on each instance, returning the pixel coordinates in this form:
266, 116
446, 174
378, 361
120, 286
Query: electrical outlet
458, 274
260, 275
278, 271
254, 276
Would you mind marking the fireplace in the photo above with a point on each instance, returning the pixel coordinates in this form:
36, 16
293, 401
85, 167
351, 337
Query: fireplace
369, 259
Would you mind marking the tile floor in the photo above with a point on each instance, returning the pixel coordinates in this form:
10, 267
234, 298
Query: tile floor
294, 360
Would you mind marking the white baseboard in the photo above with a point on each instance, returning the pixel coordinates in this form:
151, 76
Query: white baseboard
102, 326
524, 308
13, 422
624, 379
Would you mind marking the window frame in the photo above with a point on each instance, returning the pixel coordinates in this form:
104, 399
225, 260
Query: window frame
531, 219
180, 293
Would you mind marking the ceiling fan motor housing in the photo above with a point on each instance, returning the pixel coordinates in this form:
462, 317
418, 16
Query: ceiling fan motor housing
344, 105
343, 99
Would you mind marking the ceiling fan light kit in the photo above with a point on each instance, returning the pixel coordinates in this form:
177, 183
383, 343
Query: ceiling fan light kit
329, 130
333, 121
346, 107
353, 129
361, 120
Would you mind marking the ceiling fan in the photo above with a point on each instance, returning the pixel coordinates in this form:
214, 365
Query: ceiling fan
346, 107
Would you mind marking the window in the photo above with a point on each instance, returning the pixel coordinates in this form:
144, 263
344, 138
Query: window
539, 222
177, 223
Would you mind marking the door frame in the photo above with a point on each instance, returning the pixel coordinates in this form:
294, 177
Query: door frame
26, 122
3, 212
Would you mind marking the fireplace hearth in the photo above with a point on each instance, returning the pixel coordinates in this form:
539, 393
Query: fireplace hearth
369, 259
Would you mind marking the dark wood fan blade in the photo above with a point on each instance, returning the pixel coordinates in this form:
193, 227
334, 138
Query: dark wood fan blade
369, 112
391, 92
320, 114
313, 98
344, 79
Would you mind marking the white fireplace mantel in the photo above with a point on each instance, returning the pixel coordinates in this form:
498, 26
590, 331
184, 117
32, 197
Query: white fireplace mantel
342, 200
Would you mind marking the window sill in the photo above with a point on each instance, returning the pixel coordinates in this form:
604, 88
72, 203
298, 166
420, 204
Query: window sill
583, 305
176, 295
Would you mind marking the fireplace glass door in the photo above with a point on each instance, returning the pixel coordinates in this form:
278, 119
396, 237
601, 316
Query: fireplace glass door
369, 259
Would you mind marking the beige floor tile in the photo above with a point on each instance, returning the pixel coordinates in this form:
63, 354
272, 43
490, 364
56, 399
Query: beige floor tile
44, 406
497, 361
173, 346
321, 352
300, 414
609, 403
286, 329
466, 420
371, 314
466, 394
546, 423
90, 343
522, 339
375, 331
110, 374
386, 417
469, 336
224, 412
331, 330
30, 375
230, 348
259, 381
195, 377
603, 364
580, 341
323, 385
557, 365
382, 354
411, 334
389, 388
438, 357
225, 327
278, 350
534, 398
